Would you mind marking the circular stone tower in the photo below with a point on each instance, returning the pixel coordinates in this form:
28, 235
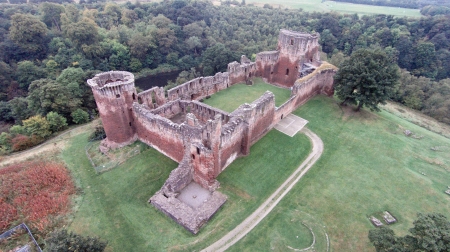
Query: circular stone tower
114, 93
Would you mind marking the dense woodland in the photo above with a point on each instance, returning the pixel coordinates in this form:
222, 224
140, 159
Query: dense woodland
48, 50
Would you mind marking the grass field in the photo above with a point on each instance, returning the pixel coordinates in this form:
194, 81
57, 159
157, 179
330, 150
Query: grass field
113, 205
327, 6
232, 97
368, 166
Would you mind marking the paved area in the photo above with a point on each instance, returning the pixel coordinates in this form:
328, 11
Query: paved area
248, 224
194, 195
291, 124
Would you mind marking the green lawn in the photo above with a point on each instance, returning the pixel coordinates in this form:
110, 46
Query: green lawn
327, 6
368, 166
238, 94
113, 205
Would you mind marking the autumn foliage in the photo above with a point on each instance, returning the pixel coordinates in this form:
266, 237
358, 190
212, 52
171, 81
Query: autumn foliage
35, 193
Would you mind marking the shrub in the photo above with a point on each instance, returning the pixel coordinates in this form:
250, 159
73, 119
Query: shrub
79, 116
34, 192
57, 122
62, 241
17, 129
37, 125
21, 142
98, 134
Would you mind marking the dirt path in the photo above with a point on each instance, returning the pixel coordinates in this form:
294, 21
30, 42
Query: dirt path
248, 224
49, 147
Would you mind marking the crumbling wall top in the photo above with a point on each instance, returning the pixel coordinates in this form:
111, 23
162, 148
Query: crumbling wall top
111, 79
298, 34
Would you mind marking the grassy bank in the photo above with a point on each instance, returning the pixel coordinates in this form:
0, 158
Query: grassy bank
232, 97
368, 166
113, 204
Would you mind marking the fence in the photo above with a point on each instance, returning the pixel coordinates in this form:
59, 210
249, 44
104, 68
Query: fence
14, 230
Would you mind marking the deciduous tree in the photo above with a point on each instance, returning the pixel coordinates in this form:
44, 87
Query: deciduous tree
367, 78
28, 32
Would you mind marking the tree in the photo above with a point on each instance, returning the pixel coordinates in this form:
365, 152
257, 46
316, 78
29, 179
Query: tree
367, 78
19, 109
431, 232
216, 59
51, 14
80, 116
56, 121
425, 60
28, 72
47, 95
38, 126
62, 241
82, 33
28, 32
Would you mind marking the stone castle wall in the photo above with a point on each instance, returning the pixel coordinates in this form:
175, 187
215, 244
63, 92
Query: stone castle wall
202, 139
283, 67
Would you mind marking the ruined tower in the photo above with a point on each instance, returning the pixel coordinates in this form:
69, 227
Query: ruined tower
296, 52
114, 93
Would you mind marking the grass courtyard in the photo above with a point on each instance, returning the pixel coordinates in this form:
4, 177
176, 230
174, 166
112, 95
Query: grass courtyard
231, 98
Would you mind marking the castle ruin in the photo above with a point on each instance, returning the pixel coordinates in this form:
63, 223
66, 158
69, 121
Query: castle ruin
204, 140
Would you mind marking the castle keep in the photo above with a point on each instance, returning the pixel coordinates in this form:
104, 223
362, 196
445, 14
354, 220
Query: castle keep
202, 139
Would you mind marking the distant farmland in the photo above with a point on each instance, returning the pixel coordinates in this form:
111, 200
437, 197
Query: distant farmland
318, 5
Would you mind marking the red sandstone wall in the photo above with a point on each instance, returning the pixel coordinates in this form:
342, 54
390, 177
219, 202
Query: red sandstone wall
116, 115
279, 75
203, 162
231, 142
318, 82
159, 133
261, 118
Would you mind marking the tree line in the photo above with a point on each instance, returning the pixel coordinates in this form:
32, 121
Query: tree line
48, 50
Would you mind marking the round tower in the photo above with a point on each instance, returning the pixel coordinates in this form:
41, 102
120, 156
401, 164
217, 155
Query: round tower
114, 93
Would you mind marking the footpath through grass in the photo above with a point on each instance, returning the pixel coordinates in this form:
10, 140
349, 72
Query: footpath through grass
368, 166
231, 98
113, 205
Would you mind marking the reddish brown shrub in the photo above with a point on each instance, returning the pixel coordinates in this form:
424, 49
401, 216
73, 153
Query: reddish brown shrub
34, 192
21, 142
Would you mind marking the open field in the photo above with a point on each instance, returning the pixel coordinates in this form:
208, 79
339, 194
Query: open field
232, 97
368, 166
318, 5
114, 205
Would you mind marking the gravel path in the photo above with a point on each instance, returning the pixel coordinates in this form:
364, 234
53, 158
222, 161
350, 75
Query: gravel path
248, 224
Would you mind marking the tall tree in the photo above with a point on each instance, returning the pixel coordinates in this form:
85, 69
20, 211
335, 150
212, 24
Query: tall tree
28, 32
216, 58
51, 14
367, 78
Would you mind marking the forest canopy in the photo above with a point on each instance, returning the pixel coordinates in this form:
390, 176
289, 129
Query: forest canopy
48, 50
